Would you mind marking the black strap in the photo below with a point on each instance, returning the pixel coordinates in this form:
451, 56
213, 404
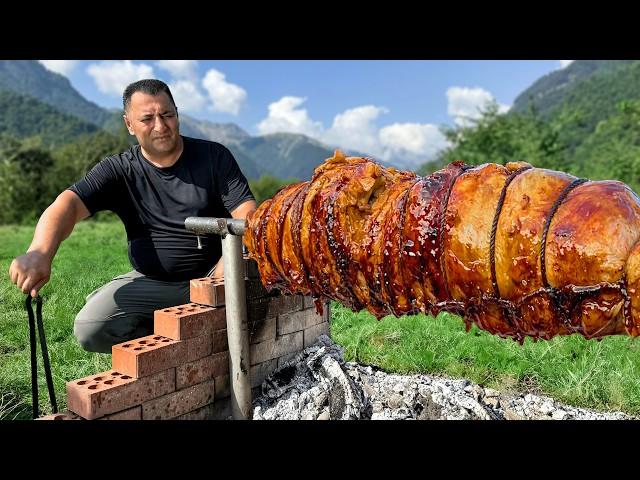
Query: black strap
545, 231
494, 227
45, 355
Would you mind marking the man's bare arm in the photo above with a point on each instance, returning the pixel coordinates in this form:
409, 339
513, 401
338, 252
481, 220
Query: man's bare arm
32, 270
241, 211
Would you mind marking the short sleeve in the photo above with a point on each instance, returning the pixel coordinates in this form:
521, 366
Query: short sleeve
98, 188
232, 184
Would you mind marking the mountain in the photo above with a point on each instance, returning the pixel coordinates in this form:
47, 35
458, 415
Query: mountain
584, 120
23, 116
284, 155
30, 77
225, 133
548, 93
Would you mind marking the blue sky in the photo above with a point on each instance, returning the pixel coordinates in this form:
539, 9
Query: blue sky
388, 109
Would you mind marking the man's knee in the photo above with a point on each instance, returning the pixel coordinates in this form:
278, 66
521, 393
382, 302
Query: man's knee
91, 335
100, 334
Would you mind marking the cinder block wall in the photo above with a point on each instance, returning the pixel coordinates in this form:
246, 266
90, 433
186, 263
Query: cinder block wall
182, 371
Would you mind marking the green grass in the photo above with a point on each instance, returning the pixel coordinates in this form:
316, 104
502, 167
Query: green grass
93, 254
603, 375
595, 374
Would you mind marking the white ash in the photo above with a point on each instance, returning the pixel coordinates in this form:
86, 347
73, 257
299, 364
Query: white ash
317, 384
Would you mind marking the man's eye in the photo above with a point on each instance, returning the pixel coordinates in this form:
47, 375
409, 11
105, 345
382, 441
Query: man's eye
168, 115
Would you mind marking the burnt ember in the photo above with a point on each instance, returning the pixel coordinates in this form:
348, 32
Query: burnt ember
322, 386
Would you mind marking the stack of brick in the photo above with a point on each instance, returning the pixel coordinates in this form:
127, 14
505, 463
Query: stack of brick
182, 371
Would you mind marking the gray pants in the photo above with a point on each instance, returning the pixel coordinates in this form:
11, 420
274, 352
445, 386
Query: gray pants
123, 310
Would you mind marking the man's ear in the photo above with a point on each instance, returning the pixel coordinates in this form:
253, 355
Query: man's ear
127, 124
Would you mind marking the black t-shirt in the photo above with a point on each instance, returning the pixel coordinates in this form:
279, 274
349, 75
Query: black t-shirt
153, 204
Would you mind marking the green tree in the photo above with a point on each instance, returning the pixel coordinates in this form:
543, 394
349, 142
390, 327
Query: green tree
26, 186
267, 186
500, 138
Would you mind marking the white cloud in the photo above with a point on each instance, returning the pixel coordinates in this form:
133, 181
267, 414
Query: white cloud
226, 97
112, 77
355, 129
406, 145
565, 63
415, 142
466, 103
187, 96
63, 67
285, 116
180, 69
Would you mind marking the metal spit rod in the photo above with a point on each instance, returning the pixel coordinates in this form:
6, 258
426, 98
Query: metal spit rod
231, 231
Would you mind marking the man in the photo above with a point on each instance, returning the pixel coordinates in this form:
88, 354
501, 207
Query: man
153, 187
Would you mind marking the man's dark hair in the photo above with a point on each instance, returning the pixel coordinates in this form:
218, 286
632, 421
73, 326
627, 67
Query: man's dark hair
149, 86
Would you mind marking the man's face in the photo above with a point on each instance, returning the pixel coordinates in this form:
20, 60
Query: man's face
154, 121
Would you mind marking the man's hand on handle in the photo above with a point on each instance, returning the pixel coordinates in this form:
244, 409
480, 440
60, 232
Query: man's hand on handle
29, 272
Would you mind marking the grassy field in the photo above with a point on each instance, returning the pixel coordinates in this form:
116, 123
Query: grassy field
598, 374
93, 254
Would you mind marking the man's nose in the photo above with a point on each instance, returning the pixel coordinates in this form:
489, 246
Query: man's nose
159, 124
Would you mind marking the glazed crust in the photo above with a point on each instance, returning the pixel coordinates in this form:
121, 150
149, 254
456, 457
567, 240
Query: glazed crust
469, 240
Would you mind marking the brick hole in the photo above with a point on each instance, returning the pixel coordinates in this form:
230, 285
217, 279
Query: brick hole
151, 344
157, 338
82, 382
108, 382
166, 340
126, 346
93, 387
97, 379
191, 310
139, 348
125, 377
116, 373
167, 310
142, 342
180, 308
59, 417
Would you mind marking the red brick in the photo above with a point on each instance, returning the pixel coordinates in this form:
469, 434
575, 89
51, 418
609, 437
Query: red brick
207, 291
147, 355
251, 270
187, 321
222, 410
222, 386
327, 312
109, 392
180, 402
262, 330
260, 371
197, 347
298, 321
67, 415
220, 341
311, 334
202, 413
309, 303
261, 352
259, 308
201, 370
134, 413
254, 289
288, 303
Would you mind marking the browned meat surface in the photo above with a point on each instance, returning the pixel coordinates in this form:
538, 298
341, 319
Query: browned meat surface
517, 250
